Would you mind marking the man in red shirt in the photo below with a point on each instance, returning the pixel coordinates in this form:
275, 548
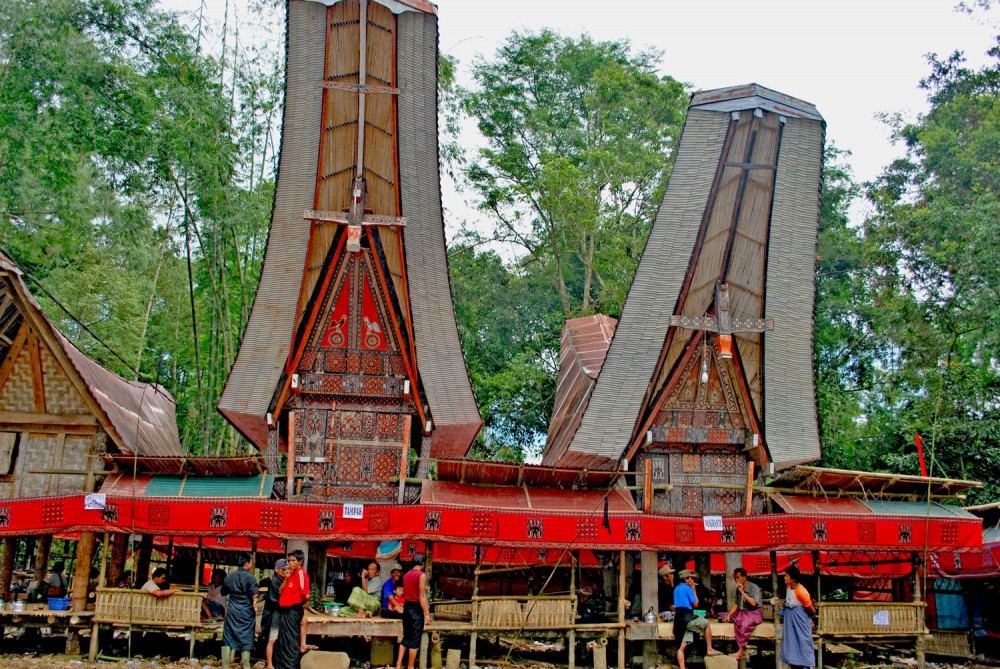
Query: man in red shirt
294, 594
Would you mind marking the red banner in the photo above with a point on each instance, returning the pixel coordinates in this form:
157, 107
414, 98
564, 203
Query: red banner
487, 527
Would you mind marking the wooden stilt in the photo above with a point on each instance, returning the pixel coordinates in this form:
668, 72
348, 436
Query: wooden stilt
81, 576
41, 563
918, 597
777, 618
650, 589
475, 611
101, 582
7, 566
119, 553
819, 597
621, 610
571, 637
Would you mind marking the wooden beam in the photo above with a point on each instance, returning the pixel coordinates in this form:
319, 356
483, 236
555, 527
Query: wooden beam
37, 376
12, 354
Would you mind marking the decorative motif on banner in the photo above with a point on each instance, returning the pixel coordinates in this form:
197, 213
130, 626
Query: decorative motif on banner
958, 561
949, 534
777, 532
763, 563
905, 533
586, 529
728, 535
866, 532
477, 552
506, 555
325, 521
820, 532
217, 516
534, 528
347, 547
4, 516
110, 513
270, 518
684, 533
542, 554
220, 540
159, 515
633, 530
482, 525
378, 520
432, 521
52, 513
411, 549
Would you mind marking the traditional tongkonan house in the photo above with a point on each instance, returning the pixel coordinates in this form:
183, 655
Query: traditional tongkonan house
678, 431
62, 417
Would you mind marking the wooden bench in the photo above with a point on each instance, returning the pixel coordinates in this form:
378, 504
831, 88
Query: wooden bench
139, 610
514, 613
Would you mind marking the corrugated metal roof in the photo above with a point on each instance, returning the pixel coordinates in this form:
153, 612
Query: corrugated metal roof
807, 504
513, 497
199, 466
210, 486
141, 416
514, 473
919, 509
583, 349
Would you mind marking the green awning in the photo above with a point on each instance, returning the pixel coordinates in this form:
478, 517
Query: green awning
934, 509
210, 486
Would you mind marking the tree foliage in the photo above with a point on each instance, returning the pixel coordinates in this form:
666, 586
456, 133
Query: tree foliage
135, 188
579, 137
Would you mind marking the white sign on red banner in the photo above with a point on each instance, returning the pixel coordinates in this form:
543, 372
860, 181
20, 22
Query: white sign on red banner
356, 511
712, 523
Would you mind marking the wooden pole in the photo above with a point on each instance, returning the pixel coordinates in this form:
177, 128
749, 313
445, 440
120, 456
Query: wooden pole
81, 577
571, 637
777, 618
819, 596
475, 609
119, 553
197, 565
7, 566
918, 597
621, 610
102, 581
650, 589
41, 564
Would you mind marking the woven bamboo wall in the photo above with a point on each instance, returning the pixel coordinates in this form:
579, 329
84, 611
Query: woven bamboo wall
871, 619
137, 607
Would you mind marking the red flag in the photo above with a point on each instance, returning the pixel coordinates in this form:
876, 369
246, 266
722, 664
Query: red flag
920, 453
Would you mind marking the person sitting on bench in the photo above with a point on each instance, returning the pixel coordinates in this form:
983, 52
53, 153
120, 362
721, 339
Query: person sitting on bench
745, 613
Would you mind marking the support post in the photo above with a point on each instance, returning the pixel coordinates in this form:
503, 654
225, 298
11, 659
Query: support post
290, 465
198, 568
81, 577
475, 610
571, 637
918, 597
119, 553
650, 588
621, 610
143, 556
101, 582
817, 604
777, 618
41, 564
7, 566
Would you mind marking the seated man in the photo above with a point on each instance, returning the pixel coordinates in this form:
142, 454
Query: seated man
154, 585
686, 624
213, 606
745, 613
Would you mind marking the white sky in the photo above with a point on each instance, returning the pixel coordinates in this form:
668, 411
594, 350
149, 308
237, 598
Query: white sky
852, 58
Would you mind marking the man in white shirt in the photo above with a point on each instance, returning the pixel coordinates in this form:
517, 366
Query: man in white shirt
154, 585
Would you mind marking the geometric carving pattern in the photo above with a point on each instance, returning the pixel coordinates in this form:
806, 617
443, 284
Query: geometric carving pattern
949, 533
586, 529
777, 532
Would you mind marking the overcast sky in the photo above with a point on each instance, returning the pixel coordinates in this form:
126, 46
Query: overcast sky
853, 59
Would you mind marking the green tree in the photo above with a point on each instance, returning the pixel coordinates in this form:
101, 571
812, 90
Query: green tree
579, 138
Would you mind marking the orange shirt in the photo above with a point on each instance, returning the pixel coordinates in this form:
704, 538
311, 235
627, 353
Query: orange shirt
802, 595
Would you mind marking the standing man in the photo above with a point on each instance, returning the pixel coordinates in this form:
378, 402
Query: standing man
686, 623
237, 632
291, 601
665, 595
270, 619
745, 613
416, 612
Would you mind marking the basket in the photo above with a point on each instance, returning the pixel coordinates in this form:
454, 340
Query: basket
59, 603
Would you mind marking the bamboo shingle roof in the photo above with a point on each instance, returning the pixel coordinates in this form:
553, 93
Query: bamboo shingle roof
739, 218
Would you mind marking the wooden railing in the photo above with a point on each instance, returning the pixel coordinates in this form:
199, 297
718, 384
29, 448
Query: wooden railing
843, 619
552, 612
137, 607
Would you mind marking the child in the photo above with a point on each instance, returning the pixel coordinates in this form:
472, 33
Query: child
396, 601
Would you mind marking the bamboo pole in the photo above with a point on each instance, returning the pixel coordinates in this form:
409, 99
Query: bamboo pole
101, 582
777, 618
475, 611
819, 595
918, 598
571, 637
